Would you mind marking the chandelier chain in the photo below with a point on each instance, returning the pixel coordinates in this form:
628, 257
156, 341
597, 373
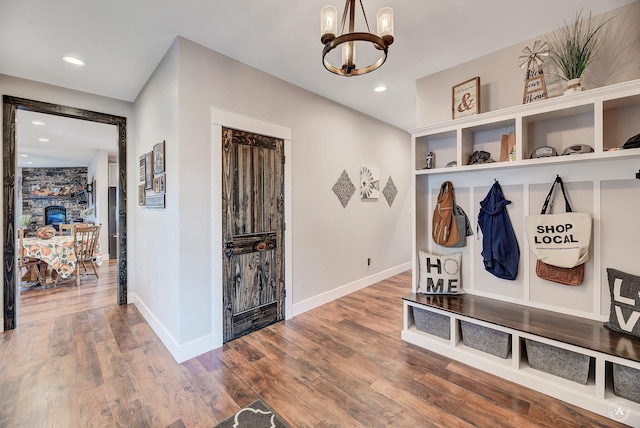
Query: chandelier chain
365, 17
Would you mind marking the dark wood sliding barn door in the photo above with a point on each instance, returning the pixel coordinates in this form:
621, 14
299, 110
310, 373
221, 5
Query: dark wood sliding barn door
253, 225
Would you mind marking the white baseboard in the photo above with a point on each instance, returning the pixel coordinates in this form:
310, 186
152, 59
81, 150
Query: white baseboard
321, 299
180, 353
204, 344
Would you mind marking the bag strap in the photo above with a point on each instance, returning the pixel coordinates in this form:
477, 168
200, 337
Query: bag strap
550, 197
446, 191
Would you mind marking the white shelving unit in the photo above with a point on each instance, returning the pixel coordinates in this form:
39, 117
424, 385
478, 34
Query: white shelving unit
603, 118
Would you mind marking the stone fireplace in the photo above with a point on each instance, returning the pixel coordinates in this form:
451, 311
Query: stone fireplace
43, 188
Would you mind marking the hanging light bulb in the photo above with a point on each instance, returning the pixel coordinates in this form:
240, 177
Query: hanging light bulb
328, 23
349, 56
385, 24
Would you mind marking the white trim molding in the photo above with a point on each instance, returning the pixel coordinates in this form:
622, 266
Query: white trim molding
336, 293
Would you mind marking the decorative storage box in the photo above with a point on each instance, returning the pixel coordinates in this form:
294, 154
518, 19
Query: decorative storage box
486, 339
432, 322
559, 362
626, 382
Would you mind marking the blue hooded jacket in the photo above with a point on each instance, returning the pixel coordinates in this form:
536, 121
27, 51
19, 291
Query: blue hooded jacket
500, 250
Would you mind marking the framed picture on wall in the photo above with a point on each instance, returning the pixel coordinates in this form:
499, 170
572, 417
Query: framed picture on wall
465, 98
148, 176
159, 183
142, 168
141, 195
158, 158
155, 200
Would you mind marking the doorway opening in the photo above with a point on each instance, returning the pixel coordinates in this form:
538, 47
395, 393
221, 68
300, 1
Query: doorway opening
10, 107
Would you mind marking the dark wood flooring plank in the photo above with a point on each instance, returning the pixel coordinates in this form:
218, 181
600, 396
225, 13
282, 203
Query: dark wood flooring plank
340, 365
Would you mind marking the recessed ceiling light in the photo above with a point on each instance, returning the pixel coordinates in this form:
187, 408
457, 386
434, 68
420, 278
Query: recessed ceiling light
37, 122
24, 156
44, 140
29, 163
380, 88
73, 60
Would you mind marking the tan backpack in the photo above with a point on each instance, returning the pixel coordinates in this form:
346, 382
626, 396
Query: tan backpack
443, 226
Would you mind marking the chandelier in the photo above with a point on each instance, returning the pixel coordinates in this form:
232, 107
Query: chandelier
331, 39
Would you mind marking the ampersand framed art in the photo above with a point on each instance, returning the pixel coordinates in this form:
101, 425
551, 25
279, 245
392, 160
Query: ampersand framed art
465, 98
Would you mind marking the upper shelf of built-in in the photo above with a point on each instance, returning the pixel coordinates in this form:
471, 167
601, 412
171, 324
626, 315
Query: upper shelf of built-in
603, 118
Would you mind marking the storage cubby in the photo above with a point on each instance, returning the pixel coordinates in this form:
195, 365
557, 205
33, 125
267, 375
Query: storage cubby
559, 129
486, 339
444, 145
485, 137
620, 121
567, 321
431, 322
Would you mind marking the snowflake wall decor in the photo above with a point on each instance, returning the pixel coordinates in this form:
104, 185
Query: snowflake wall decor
390, 191
344, 189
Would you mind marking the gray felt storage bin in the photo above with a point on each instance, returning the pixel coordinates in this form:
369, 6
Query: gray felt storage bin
559, 362
486, 339
432, 322
626, 382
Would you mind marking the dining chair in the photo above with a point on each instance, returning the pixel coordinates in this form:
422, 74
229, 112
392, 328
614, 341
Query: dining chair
86, 241
66, 229
27, 262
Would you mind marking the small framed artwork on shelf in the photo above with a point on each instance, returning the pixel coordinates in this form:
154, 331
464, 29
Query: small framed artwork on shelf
465, 98
148, 176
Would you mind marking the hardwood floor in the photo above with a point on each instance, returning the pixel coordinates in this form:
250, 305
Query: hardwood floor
339, 365
35, 304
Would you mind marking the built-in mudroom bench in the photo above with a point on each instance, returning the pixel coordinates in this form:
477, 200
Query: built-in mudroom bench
474, 329
543, 335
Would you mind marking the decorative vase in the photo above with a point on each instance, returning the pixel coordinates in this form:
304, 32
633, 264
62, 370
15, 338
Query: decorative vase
573, 86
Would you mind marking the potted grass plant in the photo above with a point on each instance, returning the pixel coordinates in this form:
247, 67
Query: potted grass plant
25, 220
572, 48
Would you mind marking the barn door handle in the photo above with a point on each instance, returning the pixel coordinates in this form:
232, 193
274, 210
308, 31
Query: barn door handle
228, 249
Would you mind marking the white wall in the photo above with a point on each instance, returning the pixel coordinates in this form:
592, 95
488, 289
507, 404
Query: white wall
29, 89
330, 244
156, 231
502, 80
98, 170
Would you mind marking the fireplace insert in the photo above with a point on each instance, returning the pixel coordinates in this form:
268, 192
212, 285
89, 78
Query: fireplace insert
54, 215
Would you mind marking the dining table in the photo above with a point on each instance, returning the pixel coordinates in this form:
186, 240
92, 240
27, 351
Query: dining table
57, 252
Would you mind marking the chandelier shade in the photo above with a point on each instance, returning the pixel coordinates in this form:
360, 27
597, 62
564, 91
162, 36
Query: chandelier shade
332, 37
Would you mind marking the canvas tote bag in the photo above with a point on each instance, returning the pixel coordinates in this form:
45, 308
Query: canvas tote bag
562, 239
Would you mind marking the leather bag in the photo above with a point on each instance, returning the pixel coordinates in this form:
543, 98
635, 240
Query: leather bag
444, 229
567, 276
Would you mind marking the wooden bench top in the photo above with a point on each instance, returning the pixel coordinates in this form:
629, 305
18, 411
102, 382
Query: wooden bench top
570, 329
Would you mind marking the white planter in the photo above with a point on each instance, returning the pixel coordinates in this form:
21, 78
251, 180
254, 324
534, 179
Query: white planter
573, 86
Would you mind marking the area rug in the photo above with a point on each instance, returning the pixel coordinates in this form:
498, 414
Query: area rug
255, 415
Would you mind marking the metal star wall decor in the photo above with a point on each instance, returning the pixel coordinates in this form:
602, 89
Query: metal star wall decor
390, 191
535, 87
344, 189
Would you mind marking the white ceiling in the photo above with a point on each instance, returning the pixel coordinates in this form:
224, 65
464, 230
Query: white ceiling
72, 142
122, 41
